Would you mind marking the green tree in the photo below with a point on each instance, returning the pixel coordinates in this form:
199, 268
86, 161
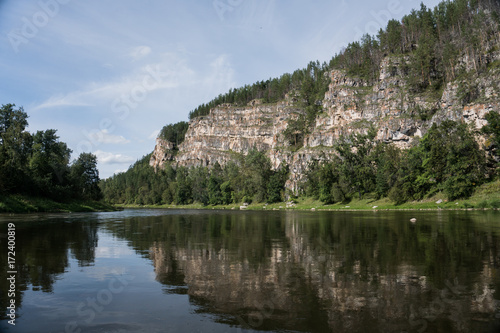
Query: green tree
84, 176
175, 133
388, 162
49, 164
493, 130
198, 178
183, 193
328, 176
15, 149
295, 131
276, 185
255, 174
356, 166
447, 159
227, 193
311, 186
215, 196
393, 37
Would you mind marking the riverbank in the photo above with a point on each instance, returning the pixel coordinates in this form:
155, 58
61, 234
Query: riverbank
20, 204
486, 197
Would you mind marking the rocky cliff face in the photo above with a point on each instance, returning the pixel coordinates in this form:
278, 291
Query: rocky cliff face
350, 105
163, 153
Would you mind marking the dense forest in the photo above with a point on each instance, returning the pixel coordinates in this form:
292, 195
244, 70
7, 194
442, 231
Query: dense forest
39, 164
247, 178
447, 159
431, 44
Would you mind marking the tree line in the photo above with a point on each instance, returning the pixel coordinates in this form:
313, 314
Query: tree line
246, 178
433, 42
39, 165
310, 83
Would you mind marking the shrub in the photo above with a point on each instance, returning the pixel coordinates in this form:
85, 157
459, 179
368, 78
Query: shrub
495, 203
483, 204
247, 199
397, 195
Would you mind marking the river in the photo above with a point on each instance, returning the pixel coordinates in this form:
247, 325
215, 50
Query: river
250, 271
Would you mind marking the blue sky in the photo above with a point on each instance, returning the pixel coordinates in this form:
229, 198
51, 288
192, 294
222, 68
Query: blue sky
109, 74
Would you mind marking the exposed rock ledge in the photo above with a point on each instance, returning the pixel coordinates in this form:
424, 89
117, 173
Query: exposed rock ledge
350, 106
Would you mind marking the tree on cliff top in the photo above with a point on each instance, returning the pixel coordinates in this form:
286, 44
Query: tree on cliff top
174, 133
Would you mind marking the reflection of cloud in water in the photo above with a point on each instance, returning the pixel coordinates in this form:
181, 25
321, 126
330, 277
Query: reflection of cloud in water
110, 247
105, 273
112, 252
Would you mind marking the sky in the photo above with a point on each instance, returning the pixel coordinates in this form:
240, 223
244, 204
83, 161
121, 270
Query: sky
109, 74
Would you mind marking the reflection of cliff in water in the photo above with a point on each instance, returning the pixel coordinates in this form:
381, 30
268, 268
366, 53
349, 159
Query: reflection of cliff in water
336, 273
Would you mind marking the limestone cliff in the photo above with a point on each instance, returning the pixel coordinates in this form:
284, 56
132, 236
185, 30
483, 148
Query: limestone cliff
350, 105
163, 153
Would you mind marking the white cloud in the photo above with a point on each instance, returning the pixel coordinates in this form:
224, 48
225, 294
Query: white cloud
117, 171
140, 52
169, 72
109, 252
71, 99
104, 137
110, 158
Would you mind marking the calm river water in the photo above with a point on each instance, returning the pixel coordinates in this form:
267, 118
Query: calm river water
231, 271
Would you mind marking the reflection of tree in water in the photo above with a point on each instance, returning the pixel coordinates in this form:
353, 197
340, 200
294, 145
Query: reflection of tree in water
42, 253
321, 272
83, 248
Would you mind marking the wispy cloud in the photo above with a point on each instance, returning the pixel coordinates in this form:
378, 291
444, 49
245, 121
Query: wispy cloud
140, 52
103, 136
170, 71
71, 99
110, 158
117, 171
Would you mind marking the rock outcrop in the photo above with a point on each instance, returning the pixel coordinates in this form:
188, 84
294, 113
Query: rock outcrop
350, 105
163, 153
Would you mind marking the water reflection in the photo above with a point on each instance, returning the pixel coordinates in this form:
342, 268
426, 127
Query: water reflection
298, 271
43, 251
324, 271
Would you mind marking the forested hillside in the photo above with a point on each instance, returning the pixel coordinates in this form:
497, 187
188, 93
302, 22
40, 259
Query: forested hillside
457, 43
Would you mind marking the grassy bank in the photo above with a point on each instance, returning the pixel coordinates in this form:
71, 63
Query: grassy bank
25, 204
485, 197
